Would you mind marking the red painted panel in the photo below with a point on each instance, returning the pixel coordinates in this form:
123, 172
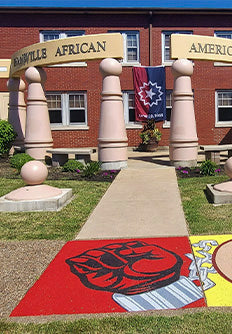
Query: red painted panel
60, 291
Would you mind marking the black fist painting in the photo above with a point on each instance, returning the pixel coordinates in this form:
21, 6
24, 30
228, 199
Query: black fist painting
128, 268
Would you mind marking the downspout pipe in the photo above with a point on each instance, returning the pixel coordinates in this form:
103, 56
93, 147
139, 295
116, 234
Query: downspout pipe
150, 39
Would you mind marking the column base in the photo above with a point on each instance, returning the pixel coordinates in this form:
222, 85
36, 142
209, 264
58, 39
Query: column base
184, 163
37, 152
183, 154
110, 165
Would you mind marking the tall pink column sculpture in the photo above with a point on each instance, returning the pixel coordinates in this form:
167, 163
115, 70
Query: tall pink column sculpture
183, 134
38, 137
112, 141
17, 110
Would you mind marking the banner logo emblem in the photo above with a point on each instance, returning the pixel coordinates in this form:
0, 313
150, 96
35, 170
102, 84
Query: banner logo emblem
152, 96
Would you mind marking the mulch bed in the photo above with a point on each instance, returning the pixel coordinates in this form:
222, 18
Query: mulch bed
186, 172
55, 173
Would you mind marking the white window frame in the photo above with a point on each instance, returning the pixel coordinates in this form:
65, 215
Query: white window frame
166, 123
125, 33
217, 122
168, 62
129, 124
61, 33
220, 32
65, 112
64, 34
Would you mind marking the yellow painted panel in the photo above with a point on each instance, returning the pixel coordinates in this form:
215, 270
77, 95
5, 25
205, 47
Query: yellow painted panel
201, 47
64, 50
220, 293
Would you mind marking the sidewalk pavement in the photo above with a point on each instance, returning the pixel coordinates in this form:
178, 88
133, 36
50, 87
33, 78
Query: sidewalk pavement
143, 201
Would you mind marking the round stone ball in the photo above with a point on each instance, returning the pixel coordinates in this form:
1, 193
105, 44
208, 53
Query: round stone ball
110, 66
35, 75
34, 172
182, 67
228, 167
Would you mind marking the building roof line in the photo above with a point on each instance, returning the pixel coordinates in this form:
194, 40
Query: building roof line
73, 10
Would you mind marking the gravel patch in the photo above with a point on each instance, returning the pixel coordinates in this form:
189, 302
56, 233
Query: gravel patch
22, 263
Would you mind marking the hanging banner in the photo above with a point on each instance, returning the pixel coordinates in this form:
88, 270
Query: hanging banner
150, 93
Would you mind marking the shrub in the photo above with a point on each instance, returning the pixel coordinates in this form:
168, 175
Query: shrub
150, 132
7, 136
18, 160
72, 166
91, 168
208, 167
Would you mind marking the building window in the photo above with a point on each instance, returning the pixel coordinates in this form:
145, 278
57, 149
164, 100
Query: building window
168, 105
223, 34
67, 109
48, 35
166, 44
224, 107
129, 106
168, 108
131, 46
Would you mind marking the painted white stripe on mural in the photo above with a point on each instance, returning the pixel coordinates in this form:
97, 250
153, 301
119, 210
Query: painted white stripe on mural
166, 303
178, 294
191, 287
173, 296
128, 303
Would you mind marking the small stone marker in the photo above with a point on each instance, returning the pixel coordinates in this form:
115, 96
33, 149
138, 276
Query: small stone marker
221, 193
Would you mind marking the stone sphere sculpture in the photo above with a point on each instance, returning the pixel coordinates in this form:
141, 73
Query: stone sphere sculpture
182, 67
110, 66
34, 172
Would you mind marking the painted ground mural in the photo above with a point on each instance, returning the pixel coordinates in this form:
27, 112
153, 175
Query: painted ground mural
103, 276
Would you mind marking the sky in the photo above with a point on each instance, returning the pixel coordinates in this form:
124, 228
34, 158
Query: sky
149, 4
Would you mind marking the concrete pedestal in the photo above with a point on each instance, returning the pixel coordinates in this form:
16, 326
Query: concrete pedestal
221, 193
55, 203
218, 197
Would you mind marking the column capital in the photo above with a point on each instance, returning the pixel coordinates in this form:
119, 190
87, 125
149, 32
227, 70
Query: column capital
182, 67
35, 75
110, 66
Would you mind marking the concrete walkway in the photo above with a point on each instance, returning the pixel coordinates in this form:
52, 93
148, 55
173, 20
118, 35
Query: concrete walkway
143, 201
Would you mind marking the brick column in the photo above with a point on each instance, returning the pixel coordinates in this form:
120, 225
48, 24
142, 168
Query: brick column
38, 137
183, 134
113, 142
17, 110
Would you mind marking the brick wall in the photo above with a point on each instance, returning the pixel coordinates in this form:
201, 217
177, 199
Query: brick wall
19, 30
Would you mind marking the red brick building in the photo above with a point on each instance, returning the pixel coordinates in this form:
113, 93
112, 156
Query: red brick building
73, 90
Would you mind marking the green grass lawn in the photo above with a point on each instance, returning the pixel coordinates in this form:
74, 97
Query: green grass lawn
202, 216
200, 323
61, 225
